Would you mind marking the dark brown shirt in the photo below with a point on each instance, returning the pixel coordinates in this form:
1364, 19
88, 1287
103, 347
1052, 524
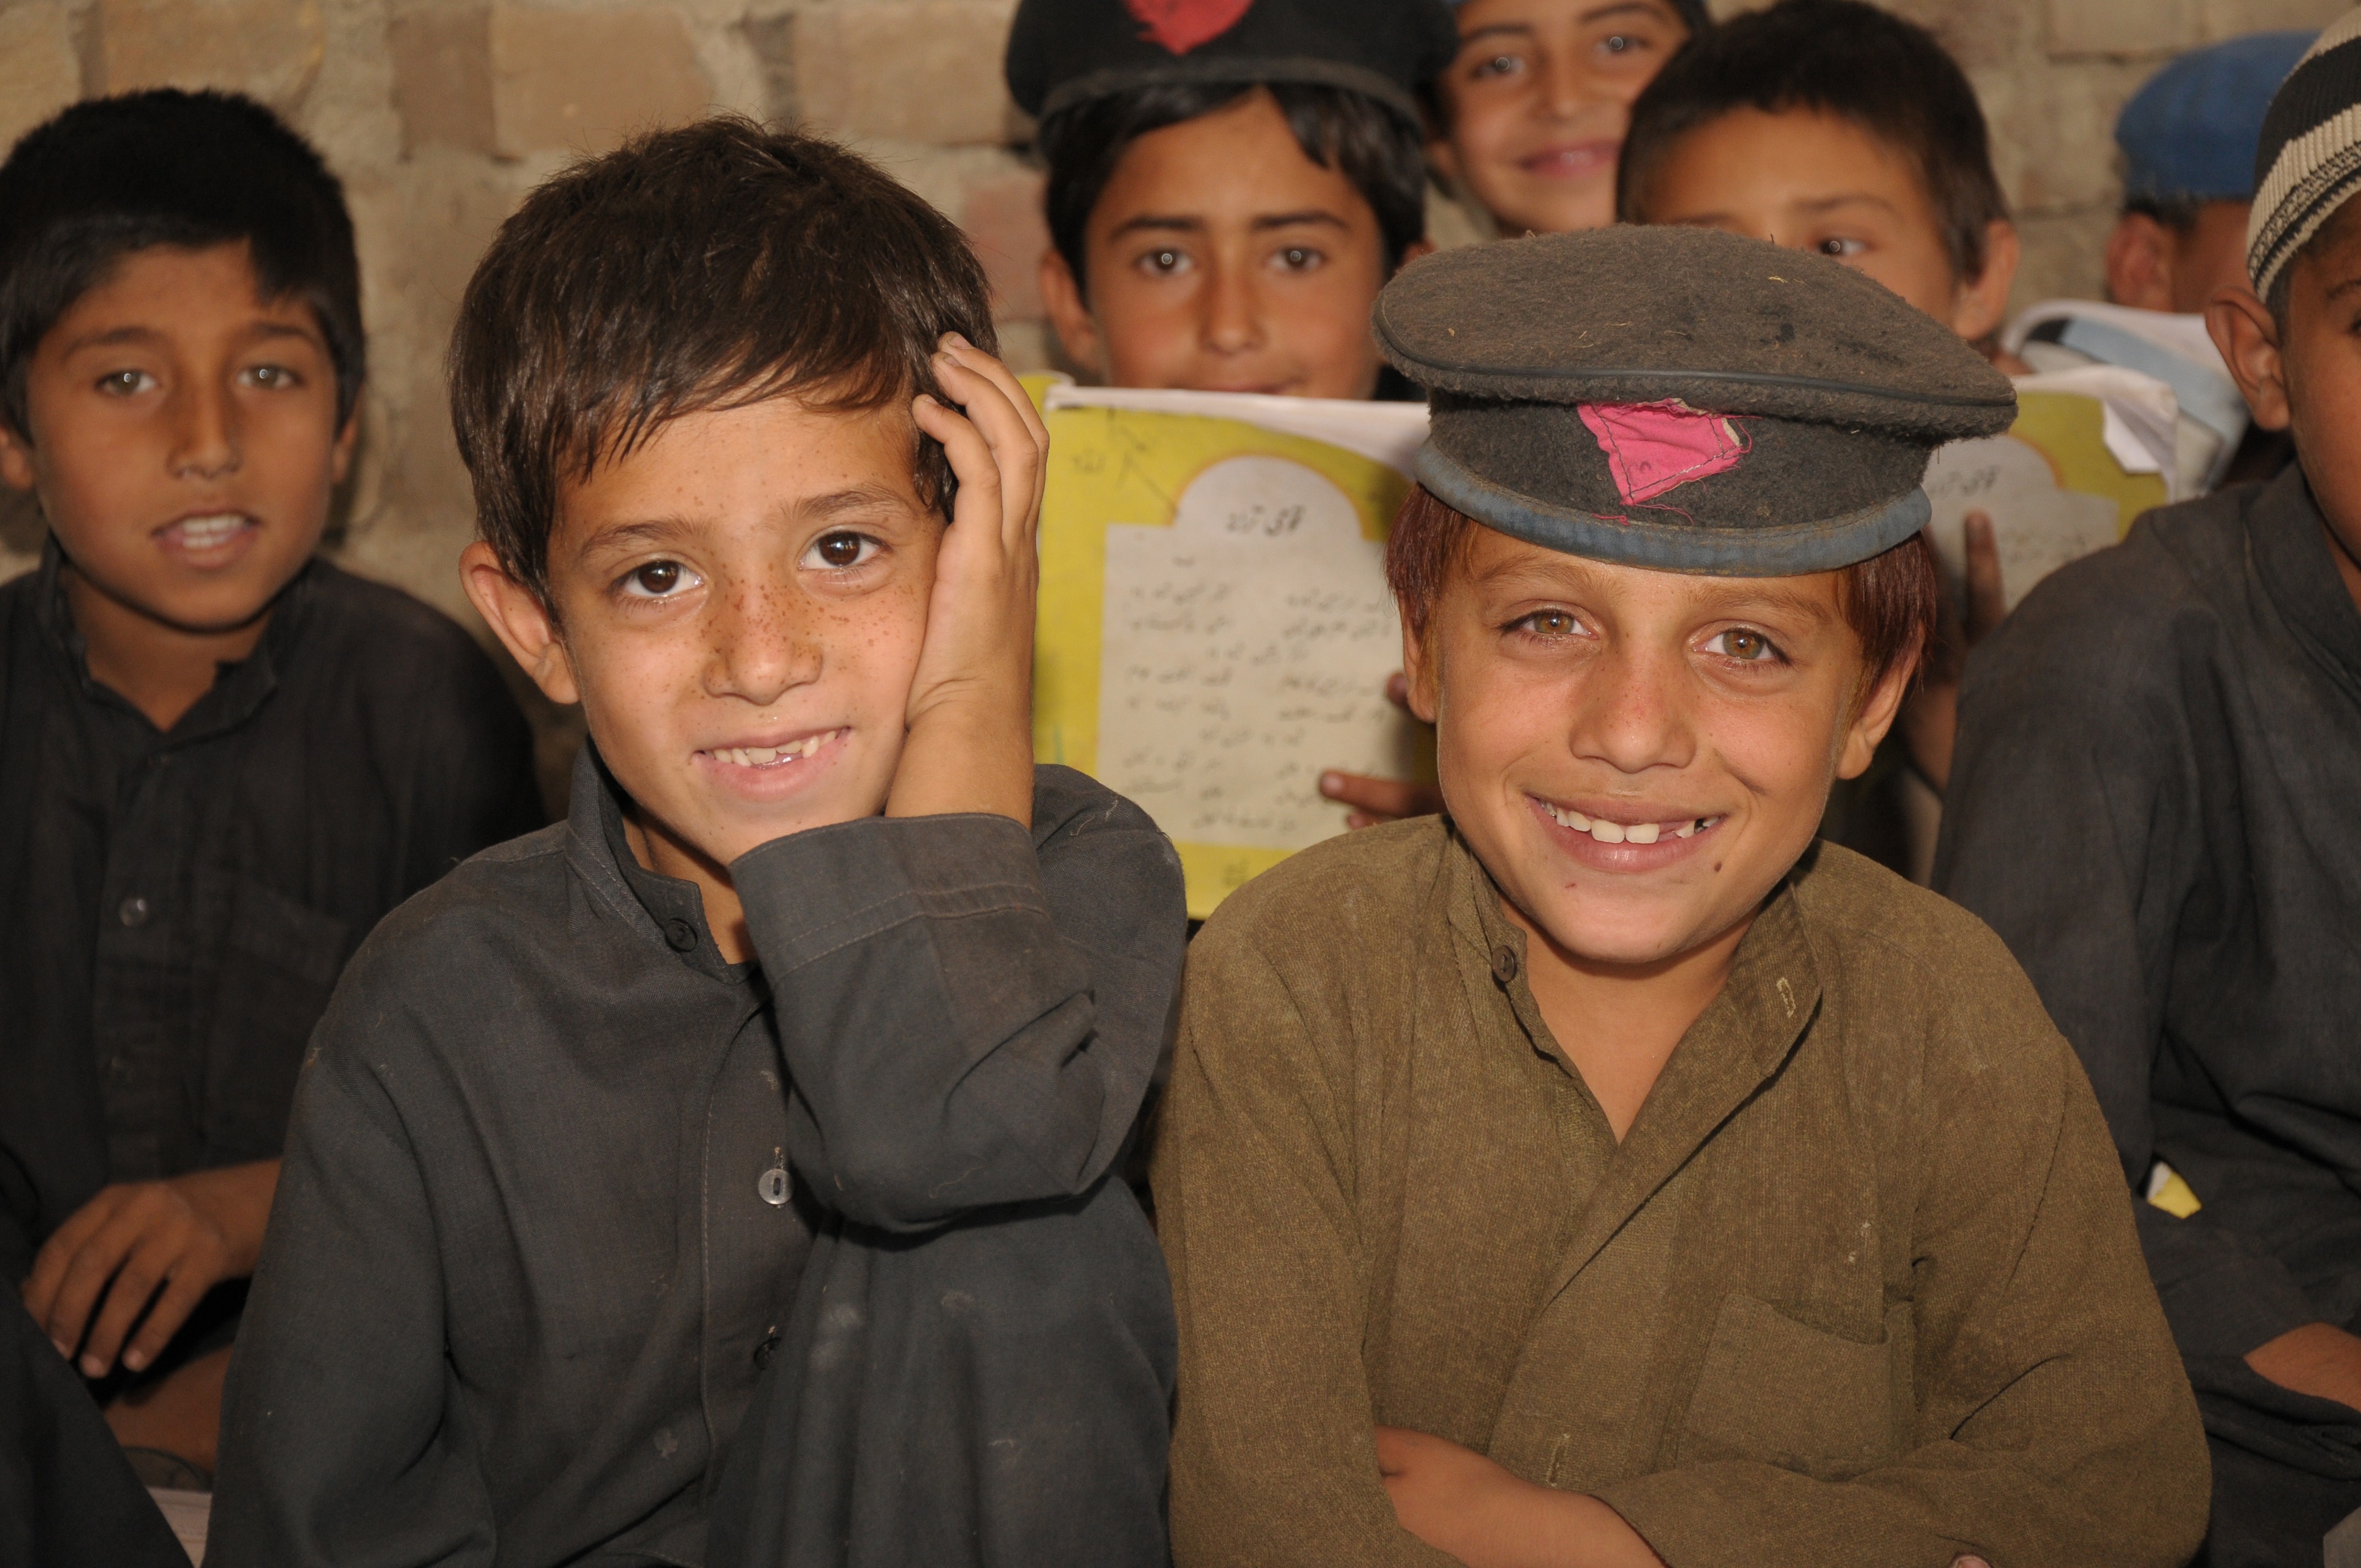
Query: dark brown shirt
1859, 1286
175, 907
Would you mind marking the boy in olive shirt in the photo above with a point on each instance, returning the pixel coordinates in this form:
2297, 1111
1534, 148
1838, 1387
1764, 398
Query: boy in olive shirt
1604, 1173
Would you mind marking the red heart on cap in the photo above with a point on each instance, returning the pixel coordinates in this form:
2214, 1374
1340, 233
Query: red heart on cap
1181, 25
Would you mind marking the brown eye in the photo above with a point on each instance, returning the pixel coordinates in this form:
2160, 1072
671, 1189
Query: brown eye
1749, 646
1549, 623
840, 548
657, 579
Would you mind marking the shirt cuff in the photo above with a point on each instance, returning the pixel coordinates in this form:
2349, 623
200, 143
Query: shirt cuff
815, 893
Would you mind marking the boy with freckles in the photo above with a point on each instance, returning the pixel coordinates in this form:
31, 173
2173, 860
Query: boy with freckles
764, 1109
1604, 1173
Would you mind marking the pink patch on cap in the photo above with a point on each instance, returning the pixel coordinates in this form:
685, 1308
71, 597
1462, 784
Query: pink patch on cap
1181, 26
1654, 447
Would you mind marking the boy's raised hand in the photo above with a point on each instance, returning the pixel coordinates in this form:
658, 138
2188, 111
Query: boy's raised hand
971, 739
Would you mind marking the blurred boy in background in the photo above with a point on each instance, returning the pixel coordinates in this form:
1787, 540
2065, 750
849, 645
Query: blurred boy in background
1229, 185
1529, 118
221, 759
2153, 805
2188, 139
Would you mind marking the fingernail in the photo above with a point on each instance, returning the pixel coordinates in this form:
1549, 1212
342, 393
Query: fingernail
136, 1360
1329, 782
956, 342
93, 1367
63, 1348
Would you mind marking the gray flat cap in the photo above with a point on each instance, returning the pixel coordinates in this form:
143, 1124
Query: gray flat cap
1681, 398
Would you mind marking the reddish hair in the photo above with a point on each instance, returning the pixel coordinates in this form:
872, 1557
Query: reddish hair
1889, 601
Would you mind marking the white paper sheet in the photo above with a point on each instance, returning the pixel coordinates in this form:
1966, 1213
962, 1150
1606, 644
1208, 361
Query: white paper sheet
2037, 526
1244, 649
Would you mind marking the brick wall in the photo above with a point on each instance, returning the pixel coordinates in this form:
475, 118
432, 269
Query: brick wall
439, 114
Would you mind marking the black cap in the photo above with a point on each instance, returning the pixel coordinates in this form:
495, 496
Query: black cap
1062, 52
1681, 398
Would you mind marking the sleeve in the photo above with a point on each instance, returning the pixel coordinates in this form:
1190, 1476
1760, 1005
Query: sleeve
2073, 827
967, 1021
337, 1444
2050, 1422
1274, 1448
472, 756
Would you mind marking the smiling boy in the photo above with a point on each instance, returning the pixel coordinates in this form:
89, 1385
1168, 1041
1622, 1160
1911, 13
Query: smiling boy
1531, 114
777, 1088
1231, 183
1604, 1173
222, 761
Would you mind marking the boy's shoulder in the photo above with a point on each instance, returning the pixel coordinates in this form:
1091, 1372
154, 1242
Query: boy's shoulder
1899, 960
2175, 559
492, 915
1350, 894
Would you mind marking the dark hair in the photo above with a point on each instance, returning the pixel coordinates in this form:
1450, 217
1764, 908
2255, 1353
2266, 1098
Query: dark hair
2177, 213
1889, 601
1887, 76
710, 266
1376, 147
192, 170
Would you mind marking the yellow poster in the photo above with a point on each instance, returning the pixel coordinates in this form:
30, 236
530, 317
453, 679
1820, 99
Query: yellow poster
1214, 629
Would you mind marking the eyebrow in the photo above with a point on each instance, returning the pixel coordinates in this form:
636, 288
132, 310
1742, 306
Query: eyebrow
1570, 580
1154, 222
818, 509
1526, 29
253, 332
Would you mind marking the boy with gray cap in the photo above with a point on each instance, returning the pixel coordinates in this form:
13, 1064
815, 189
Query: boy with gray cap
2153, 805
1604, 1173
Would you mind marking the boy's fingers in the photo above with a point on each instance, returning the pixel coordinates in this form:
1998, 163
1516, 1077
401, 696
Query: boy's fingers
87, 1272
969, 453
1381, 798
1002, 415
972, 358
187, 1286
127, 1298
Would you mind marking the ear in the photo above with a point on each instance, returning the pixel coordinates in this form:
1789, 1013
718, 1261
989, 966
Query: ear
16, 460
1426, 680
1443, 156
1070, 314
520, 621
2248, 339
1875, 718
2139, 263
1979, 308
340, 457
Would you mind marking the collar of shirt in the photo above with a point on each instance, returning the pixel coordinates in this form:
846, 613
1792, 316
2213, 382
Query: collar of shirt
2287, 538
674, 909
239, 688
1743, 1037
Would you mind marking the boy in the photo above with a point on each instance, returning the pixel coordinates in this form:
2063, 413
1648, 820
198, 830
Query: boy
806, 1042
1603, 1173
1831, 126
1230, 183
221, 759
2152, 806
1530, 117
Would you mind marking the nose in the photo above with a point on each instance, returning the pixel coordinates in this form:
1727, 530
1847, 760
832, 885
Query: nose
205, 433
1231, 321
1565, 86
1632, 716
761, 642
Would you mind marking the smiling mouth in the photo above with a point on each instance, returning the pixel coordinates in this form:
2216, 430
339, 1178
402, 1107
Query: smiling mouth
211, 531
775, 756
1572, 162
1607, 830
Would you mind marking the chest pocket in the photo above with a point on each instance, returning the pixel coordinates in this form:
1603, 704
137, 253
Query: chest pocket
1776, 1391
279, 960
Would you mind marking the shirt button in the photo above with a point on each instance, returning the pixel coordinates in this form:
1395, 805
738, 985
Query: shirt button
764, 1351
132, 910
773, 1185
681, 935
1504, 963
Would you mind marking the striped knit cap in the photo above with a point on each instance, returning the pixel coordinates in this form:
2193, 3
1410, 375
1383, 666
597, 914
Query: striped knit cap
2309, 159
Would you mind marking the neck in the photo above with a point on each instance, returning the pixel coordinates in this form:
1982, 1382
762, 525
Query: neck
657, 850
159, 668
1617, 1024
2348, 567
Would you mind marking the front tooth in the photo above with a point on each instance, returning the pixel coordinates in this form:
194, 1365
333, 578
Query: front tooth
1641, 833
1607, 832
1578, 821
1686, 830
758, 755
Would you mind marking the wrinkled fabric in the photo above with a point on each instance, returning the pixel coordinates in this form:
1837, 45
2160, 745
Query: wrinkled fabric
175, 908
526, 1268
1859, 1286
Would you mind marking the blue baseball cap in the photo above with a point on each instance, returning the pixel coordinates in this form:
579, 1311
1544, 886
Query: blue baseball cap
2190, 133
